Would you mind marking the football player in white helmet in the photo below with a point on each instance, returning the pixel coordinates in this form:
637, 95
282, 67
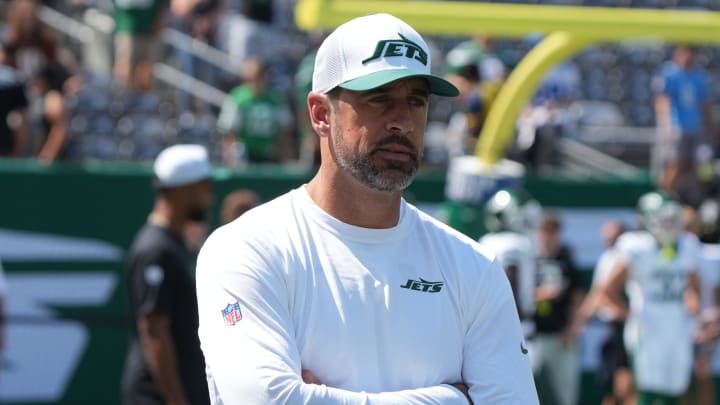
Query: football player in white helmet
509, 219
657, 269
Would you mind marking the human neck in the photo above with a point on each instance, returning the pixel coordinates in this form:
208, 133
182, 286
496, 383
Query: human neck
353, 203
167, 216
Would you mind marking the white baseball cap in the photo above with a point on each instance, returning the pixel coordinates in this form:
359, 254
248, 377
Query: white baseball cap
371, 51
180, 165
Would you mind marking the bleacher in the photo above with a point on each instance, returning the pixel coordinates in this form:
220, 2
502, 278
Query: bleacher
616, 114
110, 123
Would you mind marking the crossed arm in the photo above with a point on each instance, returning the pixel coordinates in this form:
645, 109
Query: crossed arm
309, 378
256, 360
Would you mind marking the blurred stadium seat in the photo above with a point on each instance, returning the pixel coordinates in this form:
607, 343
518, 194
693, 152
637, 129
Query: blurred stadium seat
616, 92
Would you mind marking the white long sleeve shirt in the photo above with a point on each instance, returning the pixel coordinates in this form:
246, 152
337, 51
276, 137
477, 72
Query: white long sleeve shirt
380, 316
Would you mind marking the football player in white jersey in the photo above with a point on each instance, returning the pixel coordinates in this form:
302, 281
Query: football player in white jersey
509, 218
658, 266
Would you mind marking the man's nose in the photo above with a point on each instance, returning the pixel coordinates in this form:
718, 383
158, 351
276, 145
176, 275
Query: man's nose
400, 119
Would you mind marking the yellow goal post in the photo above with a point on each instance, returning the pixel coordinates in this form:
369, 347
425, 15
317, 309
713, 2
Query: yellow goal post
567, 30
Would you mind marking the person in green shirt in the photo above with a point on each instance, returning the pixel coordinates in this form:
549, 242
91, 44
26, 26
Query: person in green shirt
256, 120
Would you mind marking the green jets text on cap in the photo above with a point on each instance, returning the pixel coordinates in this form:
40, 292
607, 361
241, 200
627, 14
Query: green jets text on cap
398, 47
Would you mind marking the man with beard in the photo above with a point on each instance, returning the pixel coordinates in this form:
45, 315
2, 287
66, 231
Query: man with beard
164, 363
341, 292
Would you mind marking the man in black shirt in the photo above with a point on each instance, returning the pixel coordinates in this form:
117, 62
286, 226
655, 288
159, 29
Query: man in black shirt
164, 364
557, 297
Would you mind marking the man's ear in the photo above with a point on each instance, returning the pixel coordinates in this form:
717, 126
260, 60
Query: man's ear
319, 107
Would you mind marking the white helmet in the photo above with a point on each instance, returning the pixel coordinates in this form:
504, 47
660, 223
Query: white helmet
510, 211
661, 216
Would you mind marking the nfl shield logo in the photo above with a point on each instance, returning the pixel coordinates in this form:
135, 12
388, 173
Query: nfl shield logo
232, 314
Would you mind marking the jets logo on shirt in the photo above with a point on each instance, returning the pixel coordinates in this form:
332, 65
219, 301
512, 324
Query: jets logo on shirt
232, 314
423, 285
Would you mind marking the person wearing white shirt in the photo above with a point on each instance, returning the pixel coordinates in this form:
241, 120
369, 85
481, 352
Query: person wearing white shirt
341, 292
658, 267
510, 216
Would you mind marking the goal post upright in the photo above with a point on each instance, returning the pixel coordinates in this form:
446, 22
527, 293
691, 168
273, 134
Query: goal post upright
567, 30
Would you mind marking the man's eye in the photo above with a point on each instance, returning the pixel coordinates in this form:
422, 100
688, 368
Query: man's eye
418, 101
379, 99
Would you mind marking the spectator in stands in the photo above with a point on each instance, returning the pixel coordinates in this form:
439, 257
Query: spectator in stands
51, 121
197, 19
13, 111
248, 29
237, 203
462, 123
558, 295
560, 87
28, 43
138, 24
547, 117
474, 65
684, 120
256, 120
164, 364
614, 371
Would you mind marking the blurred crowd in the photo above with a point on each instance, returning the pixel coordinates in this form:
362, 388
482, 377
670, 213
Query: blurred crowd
82, 75
120, 80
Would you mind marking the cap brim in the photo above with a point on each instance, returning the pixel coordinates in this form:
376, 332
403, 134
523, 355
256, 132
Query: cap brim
438, 85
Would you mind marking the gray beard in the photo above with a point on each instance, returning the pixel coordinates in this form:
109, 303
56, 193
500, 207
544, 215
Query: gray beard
389, 176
